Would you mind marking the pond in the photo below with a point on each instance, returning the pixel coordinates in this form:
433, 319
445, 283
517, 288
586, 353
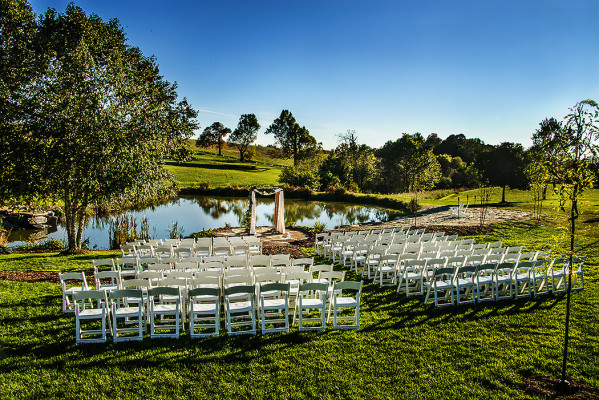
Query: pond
195, 213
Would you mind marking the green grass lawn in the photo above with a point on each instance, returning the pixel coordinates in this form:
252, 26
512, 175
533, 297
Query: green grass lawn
227, 170
404, 349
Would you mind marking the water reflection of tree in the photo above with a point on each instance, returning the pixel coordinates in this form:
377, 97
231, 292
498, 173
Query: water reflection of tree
215, 207
295, 212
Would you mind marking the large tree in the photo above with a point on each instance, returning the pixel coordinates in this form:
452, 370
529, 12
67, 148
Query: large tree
245, 134
214, 136
408, 164
98, 120
294, 141
504, 166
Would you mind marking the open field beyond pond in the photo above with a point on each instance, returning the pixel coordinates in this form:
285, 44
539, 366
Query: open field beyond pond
404, 349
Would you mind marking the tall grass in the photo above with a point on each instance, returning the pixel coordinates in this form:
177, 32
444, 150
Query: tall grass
123, 229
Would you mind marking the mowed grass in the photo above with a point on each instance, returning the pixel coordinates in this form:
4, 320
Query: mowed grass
404, 349
226, 170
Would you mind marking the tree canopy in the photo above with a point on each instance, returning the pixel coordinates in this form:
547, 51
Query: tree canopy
504, 166
408, 164
294, 141
214, 136
97, 120
245, 134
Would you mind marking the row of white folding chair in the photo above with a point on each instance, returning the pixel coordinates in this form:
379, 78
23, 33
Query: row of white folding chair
469, 284
505, 279
393, 268
130, 266
162, 307
236, 304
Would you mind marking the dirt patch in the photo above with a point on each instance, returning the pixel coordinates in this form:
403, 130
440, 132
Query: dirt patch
549, 386
29, 276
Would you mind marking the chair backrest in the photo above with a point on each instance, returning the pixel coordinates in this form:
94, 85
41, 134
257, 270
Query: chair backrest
168, 260
456, 261
444, 273
494, 245
205, 281
180, 274
486, 269
237, 272
151, 275
79, 277
145, 261
303, 276
309, 286
239, 289
332, 276
125, 294
275, 286
109, 262
236, 261
268, 277
259, 259
114, 276
137, 283
475, 260
186, 266
89, 295
320, 268
348, 285
305, 262
159, 267
505, 268
163, 291
173, 282
203, 292
237, 279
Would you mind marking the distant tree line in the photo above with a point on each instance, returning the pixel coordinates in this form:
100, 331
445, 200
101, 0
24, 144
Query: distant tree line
412, 163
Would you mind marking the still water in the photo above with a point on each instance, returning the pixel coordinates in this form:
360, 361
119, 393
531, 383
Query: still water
194, 213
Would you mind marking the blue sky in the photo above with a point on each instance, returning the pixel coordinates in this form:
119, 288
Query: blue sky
487, 69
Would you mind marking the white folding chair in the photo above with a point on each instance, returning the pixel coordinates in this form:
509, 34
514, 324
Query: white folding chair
441, 281
339, 302
274, 307
127, 304
311, 297
240, 313
90, 305
71, 283
165, 316
204, 311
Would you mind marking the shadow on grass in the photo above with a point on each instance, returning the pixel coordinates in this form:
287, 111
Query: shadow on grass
224, 166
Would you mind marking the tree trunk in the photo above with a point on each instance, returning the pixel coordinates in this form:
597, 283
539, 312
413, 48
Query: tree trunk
564, 383
69, 213
241, 155
220, 144
503, 195
545, 192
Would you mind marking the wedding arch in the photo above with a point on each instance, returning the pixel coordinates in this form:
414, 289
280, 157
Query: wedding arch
278, 220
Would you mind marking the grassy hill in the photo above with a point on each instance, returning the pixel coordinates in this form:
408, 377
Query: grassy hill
226, 170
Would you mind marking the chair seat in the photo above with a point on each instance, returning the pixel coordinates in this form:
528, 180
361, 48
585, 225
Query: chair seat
126, 311
346, 302
464, 282
522, 277
165, 308
312, 303
241, 306
203, 308
274, 304
91, 313
485, 280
